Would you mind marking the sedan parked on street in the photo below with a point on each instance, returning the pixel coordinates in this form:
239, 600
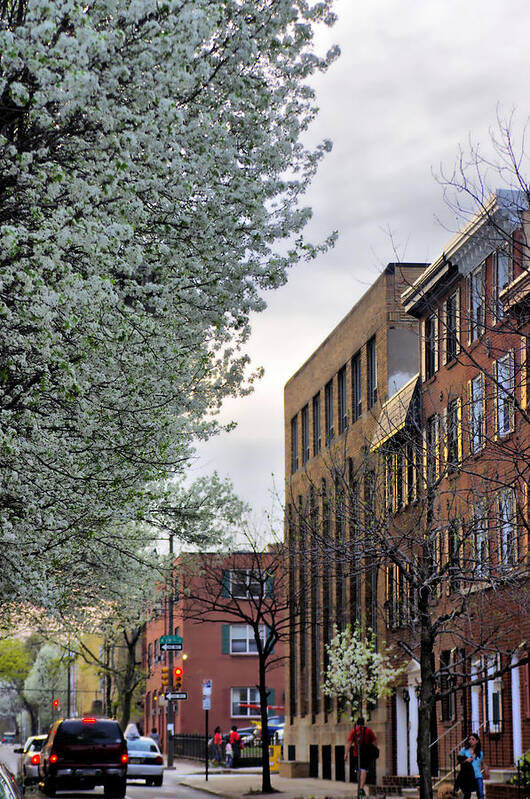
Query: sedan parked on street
30, 758
145, 761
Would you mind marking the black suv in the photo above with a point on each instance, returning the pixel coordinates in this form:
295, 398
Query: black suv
83, 753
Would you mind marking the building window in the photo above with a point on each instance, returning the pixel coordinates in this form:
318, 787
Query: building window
504, 405
294, 444
411, 473
343, 407
371, 368
244, 583
431, 346
454, 555
447, 681
477, 415
328, 410
317, 434
451, 327
399, 479
242, 639
356, 387
494, 695
454, 437
244, 702
432, 440
507, 527
390, 481
476, 303
502, 277
305, 434
480, 564
150, 655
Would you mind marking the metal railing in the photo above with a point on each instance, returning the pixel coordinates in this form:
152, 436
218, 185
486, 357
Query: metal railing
452, 756
192, 747
523, 778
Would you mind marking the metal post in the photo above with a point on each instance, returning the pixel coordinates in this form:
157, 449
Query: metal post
170, 706
206, 744
68, 683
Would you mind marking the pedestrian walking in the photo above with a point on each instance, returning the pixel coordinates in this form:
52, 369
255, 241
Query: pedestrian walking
361, 743
217, 746
471, 759
235, 740
229, 755
155, 736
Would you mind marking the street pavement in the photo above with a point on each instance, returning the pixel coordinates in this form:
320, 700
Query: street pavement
187, 779
244, 782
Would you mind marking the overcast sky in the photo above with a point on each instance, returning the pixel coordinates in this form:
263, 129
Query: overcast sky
415, 79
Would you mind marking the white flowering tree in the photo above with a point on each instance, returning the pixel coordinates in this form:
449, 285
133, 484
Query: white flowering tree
358, 672
151, 176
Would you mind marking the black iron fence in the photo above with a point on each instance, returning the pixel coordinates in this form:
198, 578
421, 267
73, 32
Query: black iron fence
523, 778
191, 747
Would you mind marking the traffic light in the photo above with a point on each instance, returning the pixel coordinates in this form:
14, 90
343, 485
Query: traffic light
55, 704
178, 673
165, 675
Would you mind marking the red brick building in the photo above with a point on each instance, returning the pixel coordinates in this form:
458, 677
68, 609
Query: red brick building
471, 304
223, 651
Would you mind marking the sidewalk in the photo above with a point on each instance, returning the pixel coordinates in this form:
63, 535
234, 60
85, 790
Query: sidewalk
240, 783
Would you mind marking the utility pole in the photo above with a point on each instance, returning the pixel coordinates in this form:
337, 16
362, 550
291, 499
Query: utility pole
170, 705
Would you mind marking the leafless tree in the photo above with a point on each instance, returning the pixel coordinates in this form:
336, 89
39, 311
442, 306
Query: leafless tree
249, 587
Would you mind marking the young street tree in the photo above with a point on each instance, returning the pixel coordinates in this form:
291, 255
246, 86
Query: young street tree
431, 515
103, 625
16, 662
151, 181
248, 587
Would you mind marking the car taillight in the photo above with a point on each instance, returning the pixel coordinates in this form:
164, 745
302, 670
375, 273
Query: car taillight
53, 758
88, 720
35, 760
125, 758
159, 759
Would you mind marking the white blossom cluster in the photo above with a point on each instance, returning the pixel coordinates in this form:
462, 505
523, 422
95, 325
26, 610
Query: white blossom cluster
357, 671
150, 167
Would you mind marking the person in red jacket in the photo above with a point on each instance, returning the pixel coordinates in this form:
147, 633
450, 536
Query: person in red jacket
361, 740
235, 740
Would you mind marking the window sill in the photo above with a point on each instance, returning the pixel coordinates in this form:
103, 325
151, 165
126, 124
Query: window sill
452, 362
244, 654
430, 380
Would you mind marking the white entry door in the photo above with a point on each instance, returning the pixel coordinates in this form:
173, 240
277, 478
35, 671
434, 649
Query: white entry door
516, 712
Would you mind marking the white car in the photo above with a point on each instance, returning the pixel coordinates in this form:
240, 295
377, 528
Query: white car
30, 758
145, 761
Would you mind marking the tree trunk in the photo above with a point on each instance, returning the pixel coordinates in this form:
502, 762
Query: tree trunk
33, 715
266, 786
129, 681
426, 699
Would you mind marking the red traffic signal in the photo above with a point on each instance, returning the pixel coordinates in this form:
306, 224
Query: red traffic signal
55, 704
178, 673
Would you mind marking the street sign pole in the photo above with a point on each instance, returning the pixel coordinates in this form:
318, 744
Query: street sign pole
170, 706
206, 744
206, 700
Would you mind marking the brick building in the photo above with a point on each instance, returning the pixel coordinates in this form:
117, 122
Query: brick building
471, 304
432, 469
332, 405
222, 650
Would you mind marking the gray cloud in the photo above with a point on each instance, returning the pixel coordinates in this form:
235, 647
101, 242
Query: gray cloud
415, 79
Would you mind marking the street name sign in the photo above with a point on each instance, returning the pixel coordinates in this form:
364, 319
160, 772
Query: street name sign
171, 696
171, 639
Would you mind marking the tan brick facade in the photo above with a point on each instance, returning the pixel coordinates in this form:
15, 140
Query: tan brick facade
315, 733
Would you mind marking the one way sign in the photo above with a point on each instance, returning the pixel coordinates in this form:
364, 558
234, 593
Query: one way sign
170, 647
171, 696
